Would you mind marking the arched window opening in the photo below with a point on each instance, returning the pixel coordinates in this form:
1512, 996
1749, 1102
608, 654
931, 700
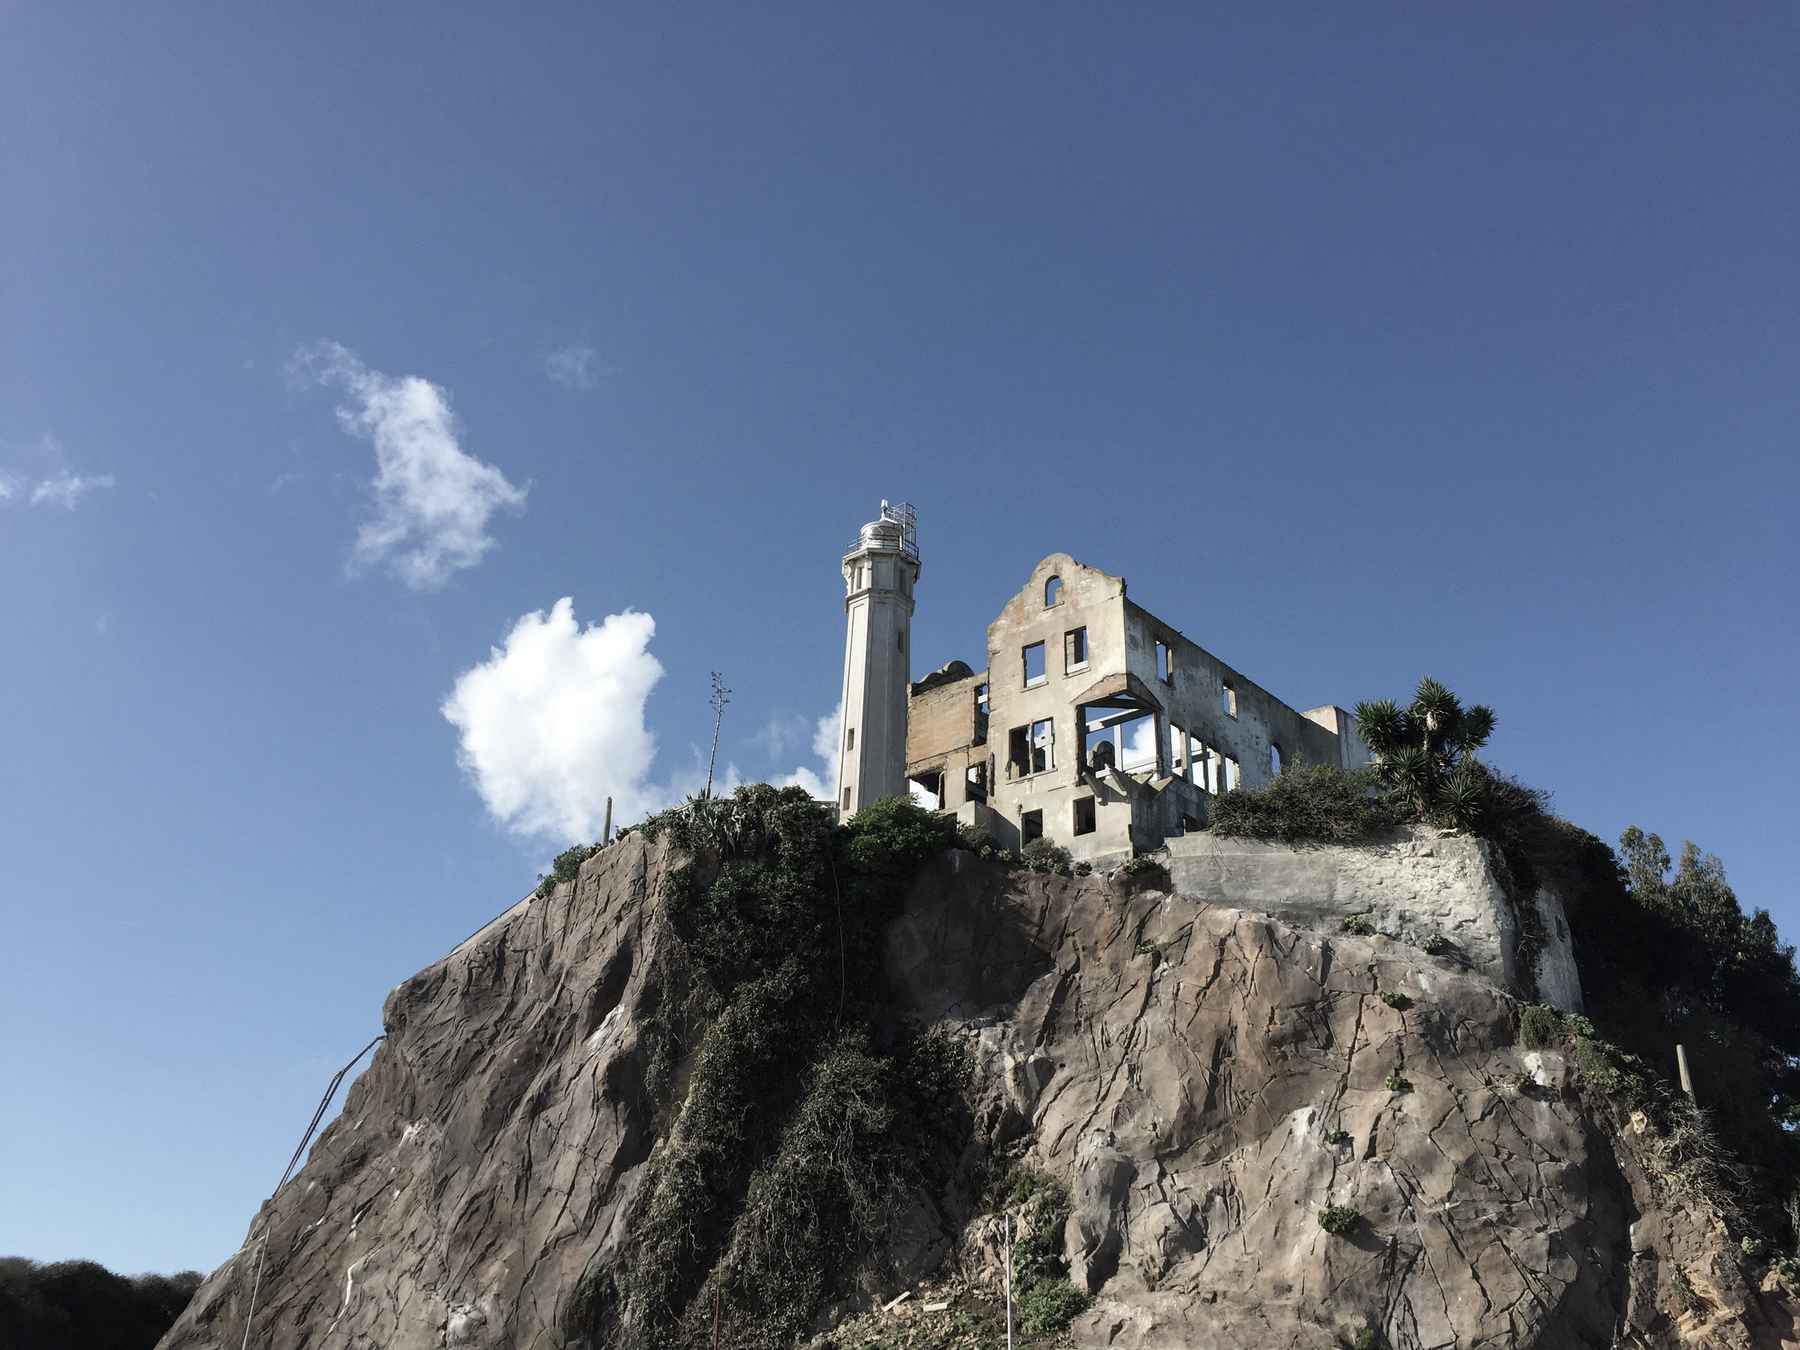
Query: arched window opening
1052, 592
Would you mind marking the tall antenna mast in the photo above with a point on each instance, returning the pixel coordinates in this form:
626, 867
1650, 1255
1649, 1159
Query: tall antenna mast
720, 697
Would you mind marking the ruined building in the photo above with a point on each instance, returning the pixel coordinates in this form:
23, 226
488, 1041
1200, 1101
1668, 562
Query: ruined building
1095, 724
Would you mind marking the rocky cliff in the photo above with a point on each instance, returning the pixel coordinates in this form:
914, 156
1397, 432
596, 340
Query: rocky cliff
1206, 1079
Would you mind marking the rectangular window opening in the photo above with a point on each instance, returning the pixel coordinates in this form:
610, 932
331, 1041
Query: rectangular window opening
1228, 700
1084, 815
850, 740
1034, 665
1274, 758
1075, 652
1031, 826
1165, 663
1137, 743
1234, 776
927, 789
1031, 749
846, 799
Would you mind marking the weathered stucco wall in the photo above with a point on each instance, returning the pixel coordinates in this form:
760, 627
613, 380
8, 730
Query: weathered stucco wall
1422, 884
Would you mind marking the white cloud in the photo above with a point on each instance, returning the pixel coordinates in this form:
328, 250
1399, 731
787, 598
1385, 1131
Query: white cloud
67, 489
52, 483
433, 500
821, 781
574, 367
552, 723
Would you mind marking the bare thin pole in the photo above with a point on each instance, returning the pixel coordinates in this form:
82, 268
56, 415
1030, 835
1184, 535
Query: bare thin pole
1009, 1260
606, 836
1681, 1067
720, 697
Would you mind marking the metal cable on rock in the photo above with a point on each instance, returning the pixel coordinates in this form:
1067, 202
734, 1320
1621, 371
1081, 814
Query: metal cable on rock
262, 1245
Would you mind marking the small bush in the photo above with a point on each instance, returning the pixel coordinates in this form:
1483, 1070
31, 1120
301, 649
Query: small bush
1753, 1247
1048, 1306
1397, 1001
1540, 1028
1143, 868
566, 867
972, 837
1366, 1339
1045, 855
1316, 805
1397, 1082
1358, 925
1338, 1138
1438, 945
1339, 1219
1047, 1301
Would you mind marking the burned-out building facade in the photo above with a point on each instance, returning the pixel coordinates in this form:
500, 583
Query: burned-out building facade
1098, 725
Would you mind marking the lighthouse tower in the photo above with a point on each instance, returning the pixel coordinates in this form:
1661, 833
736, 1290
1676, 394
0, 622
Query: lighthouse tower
880, 571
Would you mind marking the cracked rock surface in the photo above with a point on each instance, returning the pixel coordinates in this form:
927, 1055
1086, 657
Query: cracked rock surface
1208, 1079
1182, 1064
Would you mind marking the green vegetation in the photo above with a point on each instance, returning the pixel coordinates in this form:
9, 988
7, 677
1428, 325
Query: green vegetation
1397, 1001
1339, 1219
1318, 804
1143, 867
1044, 855
1668, 956
1338, 1138
1397, 1082
805, 1118
1358, 925
567, 866
1540, 1028
1366, 1339
81, 1303
1425, 754
1047, 1301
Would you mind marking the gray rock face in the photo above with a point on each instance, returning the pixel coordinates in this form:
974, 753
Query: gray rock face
1188, 1068
490, 1148
1183, 1066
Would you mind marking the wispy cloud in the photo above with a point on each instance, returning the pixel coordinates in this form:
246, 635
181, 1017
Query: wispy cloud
67, 489
282, 480
575, 367
53, 484
433, 500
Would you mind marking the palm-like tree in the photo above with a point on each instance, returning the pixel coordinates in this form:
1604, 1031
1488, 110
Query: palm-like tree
1425, 753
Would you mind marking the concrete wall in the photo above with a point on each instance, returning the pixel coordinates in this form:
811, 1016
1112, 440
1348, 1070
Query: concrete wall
1122, 640
1194, 697
941, 729
1422, 884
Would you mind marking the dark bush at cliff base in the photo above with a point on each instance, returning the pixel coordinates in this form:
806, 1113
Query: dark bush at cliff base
80, 1305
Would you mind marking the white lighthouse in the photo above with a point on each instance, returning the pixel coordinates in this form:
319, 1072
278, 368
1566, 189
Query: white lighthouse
880, 570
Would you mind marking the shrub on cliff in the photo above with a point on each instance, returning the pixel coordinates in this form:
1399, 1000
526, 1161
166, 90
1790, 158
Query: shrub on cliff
1046, 855
1318, 804
805, 1117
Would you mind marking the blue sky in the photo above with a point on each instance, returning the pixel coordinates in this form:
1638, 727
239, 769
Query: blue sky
336, 342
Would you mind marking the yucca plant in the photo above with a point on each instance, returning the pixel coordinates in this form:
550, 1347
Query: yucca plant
1425, 753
